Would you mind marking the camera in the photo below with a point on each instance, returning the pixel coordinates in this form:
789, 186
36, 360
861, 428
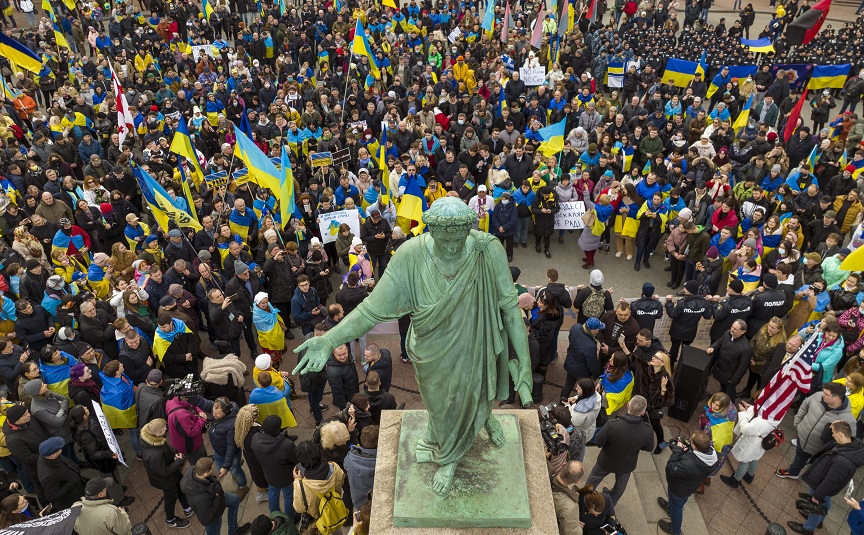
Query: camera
552, 439
684, 442
184, 388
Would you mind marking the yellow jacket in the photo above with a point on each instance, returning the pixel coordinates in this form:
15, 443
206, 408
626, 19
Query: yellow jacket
141, 64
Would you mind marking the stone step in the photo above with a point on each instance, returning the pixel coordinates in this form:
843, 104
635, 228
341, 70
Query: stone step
630, 509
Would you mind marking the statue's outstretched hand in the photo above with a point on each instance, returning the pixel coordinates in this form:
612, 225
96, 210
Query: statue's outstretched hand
318, 350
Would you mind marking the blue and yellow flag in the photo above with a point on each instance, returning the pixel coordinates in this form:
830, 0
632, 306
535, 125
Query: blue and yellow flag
829, 76
646, 169
813, 157
743, 115
287, 204
360, 46
702, 66
56, 376
843, 161
489, 17
680, 71
271, 400
626, 158
617, 393
164, 208
207, 9
758, 45
261, 169
182, 146
10, 92
162, 341
118, 401
187, 191
20, 54
413, 204
553, 138
270, 328
240, 224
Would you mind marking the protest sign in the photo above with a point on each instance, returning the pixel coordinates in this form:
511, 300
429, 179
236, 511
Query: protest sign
341, 156
198, 49
329, 225
108, 432
60, 523
320, 159
569, 216
533, 75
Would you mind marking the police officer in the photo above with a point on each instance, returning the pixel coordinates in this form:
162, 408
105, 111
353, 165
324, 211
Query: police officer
647, 309
685, 315
734, 307
767, 303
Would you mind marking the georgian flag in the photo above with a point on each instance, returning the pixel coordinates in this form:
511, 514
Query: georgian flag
124, 118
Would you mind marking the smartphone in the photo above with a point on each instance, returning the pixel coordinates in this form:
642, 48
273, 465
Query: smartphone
46, 510
233, 297
609, 530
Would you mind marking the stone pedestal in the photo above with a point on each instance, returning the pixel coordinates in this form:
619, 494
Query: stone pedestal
497, 490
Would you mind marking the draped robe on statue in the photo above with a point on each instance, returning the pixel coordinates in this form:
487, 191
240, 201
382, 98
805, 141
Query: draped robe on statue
457, 340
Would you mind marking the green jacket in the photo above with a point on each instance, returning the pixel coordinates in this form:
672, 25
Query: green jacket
831, 271
287, 527
102, 517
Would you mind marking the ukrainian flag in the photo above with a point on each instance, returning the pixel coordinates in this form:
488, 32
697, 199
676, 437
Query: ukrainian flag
741, 72
413, 205
56, 376
829, 76
287, 205
843, 161
489, 17
168, 206
758, 45
626, 159
615, 74
646, 169
147, 192
743, 115
269, 326
680, 71
553, 138
617, 393
702, 67
163, 340
10, 92
20, 54
261, 169
182, 146
813, 157
207, 9
389, 3
61, 242
360, 46
118, 401
187, 191
750, 280
859, 168
271, 400
241, 224
721, 430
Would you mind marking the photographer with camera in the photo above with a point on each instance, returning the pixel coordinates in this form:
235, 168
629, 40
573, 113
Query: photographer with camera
554, 425
227, 323
227, 455
689, 464
186, 423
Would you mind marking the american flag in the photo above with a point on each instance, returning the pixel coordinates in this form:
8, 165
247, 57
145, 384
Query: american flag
125, 126
796, 375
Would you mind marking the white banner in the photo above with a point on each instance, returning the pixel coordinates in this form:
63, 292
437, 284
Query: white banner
533, 76
109, 433
197, 49
329, 225
455, 35
569, 216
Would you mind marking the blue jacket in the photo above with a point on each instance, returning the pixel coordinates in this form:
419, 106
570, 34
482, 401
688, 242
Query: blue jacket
303, 304
581, 358
85, 151
221, 431
645, 191
856, 520
503, 216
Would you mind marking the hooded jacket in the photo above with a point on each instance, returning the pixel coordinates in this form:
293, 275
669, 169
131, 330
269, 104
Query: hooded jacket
685, 470
581, 360
343, 379
277, 452
379, 401
52, 410
221, 432
205, 496
185, 426
833, 466
61, 480
163, 470
360, 470
332, 482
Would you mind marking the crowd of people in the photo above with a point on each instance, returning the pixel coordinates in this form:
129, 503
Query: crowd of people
110, 302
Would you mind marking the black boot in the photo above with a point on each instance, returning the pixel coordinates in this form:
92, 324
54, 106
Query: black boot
547, 253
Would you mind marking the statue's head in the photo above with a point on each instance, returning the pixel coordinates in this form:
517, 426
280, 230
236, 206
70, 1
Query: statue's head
449, 221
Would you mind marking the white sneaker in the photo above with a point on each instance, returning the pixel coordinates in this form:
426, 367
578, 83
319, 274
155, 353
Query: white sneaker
794, 441
260, 497
629, 257
618, 254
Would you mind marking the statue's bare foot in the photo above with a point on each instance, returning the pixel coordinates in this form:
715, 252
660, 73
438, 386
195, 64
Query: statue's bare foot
496, 433
443, 480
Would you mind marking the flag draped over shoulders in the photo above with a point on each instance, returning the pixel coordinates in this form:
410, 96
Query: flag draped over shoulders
269, 401
162, 341
118, 401
269, 327
56, 376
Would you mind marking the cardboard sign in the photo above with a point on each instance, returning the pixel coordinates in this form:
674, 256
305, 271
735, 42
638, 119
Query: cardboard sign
108, 432
533, 76
569, 216
320, 159
329, 225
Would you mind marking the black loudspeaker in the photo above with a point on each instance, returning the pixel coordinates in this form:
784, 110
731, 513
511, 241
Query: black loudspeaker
691, 378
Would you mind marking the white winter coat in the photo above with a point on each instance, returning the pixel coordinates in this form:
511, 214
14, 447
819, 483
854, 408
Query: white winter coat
750, 431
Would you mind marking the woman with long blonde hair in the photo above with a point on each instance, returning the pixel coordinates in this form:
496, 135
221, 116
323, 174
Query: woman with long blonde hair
656, 385
246, 426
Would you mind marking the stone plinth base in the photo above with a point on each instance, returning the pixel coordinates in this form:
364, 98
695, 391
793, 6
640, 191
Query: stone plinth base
496, 490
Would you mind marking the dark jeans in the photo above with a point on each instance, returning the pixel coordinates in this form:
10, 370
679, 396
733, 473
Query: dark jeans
379, 261
569, 384
232, 503
676, 512
315, 398
507, 242
676, 348
799, 461
690, 271
729, 389
850, 104
545, 239
657, 427
404, 323
171, 496
249, 334
598, 474
678, 270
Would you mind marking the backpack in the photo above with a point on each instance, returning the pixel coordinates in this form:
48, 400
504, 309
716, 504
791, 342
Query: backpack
595, 305
332, 512
773, 439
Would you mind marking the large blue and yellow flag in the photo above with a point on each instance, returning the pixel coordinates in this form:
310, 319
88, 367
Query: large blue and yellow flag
187, 191
489, 17
739, 72
617, 393
182, 146
270, 328
10, 92
680, 71
287, 204
118, 401
829, 76
261, 169
20, 54
627, 158
240, 224
702, 66
163, 207
553, 138
271, 400
56, 376
743, 115
207, 9
758, 45
361, 47
413, 204
162, 341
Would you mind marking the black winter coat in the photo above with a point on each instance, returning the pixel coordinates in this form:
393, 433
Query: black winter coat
99, 333
647, 311
95, 446
135, 360
545, 327
174, 361
30, 328
24, 442
61, 480
685, 471
280, 281
734, 307
163, 470
766, 305
278, 453
685, 315
344, 381
731, 358
544, 224
833, 467
621, 440
244, 298
205, 496
581, 358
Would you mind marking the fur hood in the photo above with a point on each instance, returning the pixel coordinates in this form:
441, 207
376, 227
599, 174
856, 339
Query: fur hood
216, 370
152, 440
334, 434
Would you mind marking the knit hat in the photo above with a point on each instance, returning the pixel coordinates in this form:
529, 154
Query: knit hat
33, 387
55, 282
526, 301
691, 287
737, 286
260, 296
648, 289
772, 136
51, 446
95, 486
356, 241
105, 208
776, 168
272, 425
515, 272
167, 301
263, 361
32, 264
845, 251
595, 278
15, 412
686, 214
750, 242
240, 268
270, 233
100, 258
154, 377
595, 324
175, 290
262, 525
770, 280
814, 257
175, 233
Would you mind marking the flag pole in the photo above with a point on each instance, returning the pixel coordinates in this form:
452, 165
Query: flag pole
347, 81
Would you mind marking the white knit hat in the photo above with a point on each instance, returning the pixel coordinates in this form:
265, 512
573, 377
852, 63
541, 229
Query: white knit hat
263, 362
